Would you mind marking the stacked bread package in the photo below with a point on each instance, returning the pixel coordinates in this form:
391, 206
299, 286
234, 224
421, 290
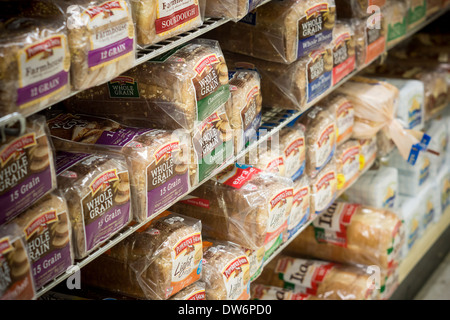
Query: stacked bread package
242, 205
344, 113
281, 31
187, 88
155, 262
27, 170
48, 233
195, 291
101, 40
34, 56
300, 211
323, 280
268, 157
226, 271
231, 9
265, 292
15, 265
293, 147
97, 189
368, 152
344, 50
348, 163
158, 20
244, 106
156, 159
324, 188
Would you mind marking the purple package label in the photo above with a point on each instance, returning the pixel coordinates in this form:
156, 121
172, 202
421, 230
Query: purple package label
52, 265
121, 137
110, 52
65, 160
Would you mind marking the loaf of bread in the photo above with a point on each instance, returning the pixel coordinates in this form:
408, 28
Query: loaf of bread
181, 87
155, 262
242, 205
27, 169
368, 152
17, 280
158, 20
156, 159
268, 157
34, 56
370, 36
342, 109
195, 291
293, 147
323, 280
323, 189
396, 13
266, 292
101, 40
320, 137
48, 232
281, 31
300, 206
230, 9
226, 271
344, 50
352, 234
97, 189
348, 163
256, 260
244, 107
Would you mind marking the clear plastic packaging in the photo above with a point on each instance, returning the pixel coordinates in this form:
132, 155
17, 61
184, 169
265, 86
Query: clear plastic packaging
156, 159
242, 205
411, 212
158, 20
230, 9
369, 152
352, 234
376, 188
268, 157
48, 232
437, 129
396, 13
101, 40
343, 111
347, 163
34, 56
323, 189
323, 280
300, 206
195, 291
17, 280
344, 50
281, 31
293, 144
256, 259
155, 262
226, 271
27, 171
97, 190
266, 292
244, 107
320, 136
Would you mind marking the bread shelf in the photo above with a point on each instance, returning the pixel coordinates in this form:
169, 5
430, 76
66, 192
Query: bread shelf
286, 115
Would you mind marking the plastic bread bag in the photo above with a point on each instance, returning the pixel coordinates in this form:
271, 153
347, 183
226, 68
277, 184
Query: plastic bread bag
195, 291
242, 205
411, 179
34, 56
323, 189
268, 157
156, 159
101, 40
17, 279
226, 271
368, 152
376, 188
373, 113
48, 233
155, 262
266, 292
431, 198
352, 234
438, 130
411, 212
300, 211
281, 31
370, 35
182, 87
344, 50
256, 259
320, 136
244, 106
293, 144
158, 20
323, 280
416, 13
396, 13
343, 111
347, 163
27, 169
97, 190
358, 8
230, 9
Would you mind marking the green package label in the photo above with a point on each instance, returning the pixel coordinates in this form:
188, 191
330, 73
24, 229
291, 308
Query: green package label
212, 102
417, 13
274, 247
123, 87
397, 30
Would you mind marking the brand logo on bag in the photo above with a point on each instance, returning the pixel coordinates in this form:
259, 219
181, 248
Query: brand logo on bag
188, 244
350, 154
200, 295
252, 94
325, 136
302, 193
281, 197
40, 222
325, 181
235, 267
5, 245
297, 144
16, 147
105, 8
342, 38
166, 150
274, 164
44, 47
316, 10
205, 62
102, 179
